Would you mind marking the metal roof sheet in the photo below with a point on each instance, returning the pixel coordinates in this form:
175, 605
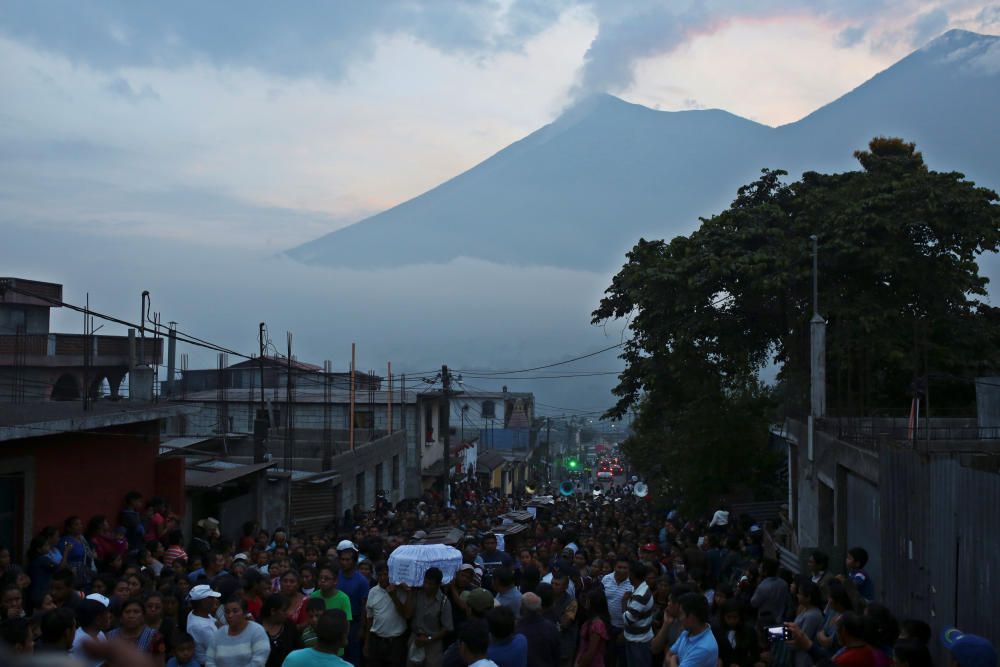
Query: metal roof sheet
218, 474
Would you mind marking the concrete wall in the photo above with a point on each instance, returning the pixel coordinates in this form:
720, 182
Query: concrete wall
988, 406
309, 419
33, 319
364, 460
836, 466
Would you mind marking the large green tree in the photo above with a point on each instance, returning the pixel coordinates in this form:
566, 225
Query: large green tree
899, 286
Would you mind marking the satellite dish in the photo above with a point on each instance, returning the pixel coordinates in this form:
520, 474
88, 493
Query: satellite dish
567, 488
641, 490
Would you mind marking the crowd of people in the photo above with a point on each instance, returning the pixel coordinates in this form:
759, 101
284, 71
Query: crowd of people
596, 580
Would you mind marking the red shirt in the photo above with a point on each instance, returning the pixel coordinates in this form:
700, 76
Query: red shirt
254, 605
857, 656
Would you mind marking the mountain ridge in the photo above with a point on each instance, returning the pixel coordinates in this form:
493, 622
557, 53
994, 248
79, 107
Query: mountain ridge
579, 191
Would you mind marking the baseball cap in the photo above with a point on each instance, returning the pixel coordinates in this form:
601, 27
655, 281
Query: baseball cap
649, 546
465, 566
346, 545
241, 556
419, 535
97, 597
202, 592
969, 650
480, 600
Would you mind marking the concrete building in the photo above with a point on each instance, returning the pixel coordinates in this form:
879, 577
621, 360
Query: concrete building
918, 495
38, 365
494, 421
309, 445
57, 459
247, 374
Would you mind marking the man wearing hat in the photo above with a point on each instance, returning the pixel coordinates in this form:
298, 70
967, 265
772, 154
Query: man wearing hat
355, 586
93, 618
969, 650
201, 620
478, 601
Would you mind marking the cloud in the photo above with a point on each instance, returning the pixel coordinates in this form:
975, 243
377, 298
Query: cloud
989, 16
631, 32
288, 39
851, 36
120, 87
929, 25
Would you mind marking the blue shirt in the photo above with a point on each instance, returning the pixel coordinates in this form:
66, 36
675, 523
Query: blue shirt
356, 588
310, 657
511, 653
699, 650
863, 582
191, 663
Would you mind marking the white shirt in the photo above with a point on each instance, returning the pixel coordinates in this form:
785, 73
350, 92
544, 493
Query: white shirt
614, 592
201, 630
720, 518
386, 619
77, 649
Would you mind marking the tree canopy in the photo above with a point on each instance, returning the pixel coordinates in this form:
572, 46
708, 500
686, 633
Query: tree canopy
899, 285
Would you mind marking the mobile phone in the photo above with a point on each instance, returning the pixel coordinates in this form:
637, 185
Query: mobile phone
777, 633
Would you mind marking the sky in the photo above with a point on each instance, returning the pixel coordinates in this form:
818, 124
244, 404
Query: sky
181, 147
267, 126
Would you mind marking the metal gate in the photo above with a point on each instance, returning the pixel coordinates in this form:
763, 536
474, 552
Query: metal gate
315, 507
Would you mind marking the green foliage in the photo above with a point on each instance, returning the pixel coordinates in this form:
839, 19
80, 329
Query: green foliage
898, 287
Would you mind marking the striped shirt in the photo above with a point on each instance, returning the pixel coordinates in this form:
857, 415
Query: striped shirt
250, 648
639, 615
614, 592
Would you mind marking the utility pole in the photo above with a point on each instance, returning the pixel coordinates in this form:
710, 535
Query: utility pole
444, 428
260, 422
548, 446
351, 416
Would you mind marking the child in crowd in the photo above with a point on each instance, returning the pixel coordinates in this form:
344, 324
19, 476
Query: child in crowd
183, 652
314, 609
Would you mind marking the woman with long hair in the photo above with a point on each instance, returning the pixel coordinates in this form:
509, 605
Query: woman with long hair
595, 629
42, 562
156, 618
132, 628
281, 631
809, 617
80, 556
292, 592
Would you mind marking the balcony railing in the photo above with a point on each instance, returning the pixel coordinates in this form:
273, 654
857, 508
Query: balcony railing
870, 432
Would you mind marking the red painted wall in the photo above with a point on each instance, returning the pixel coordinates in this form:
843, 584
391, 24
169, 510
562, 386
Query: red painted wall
170, 482
88, 474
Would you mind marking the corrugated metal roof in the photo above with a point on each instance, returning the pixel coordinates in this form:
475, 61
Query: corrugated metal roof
221, 472
171, 444
489, 460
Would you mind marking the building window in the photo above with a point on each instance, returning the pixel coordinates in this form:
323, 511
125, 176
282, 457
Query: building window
378, 478
359, 489
489, 410
395, 473
363, 419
